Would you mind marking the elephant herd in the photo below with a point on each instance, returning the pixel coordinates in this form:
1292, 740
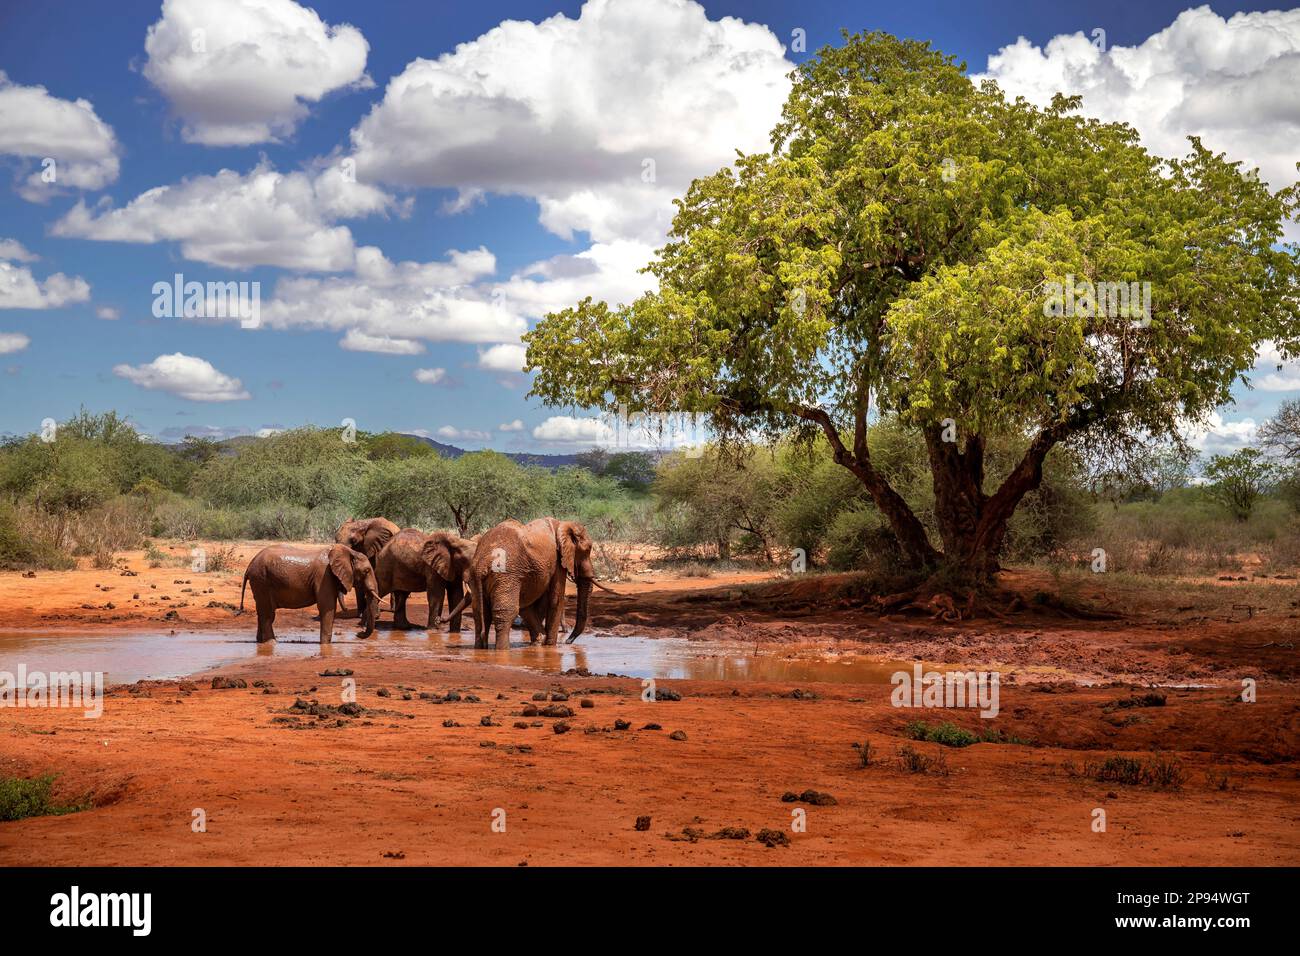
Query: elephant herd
510, 571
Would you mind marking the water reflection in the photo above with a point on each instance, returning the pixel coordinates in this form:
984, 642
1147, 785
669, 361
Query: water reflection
127, 656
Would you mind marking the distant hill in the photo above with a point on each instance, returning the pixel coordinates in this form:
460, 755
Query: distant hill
522, 457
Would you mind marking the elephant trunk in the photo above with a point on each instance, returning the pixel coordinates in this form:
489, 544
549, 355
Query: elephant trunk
580, 622
371, 613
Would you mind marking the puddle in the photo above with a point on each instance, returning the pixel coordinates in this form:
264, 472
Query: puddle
126, 657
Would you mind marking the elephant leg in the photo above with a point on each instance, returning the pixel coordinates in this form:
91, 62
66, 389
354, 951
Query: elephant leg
326, 621
554, 618
265, 625
482, 615
399, 611
503, 617
532, 622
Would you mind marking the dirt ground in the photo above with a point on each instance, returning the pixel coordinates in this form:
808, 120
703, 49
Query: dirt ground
416, 778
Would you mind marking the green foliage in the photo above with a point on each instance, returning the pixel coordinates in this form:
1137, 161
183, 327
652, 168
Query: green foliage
1237, 481
712, 497
21, 797
307, 467
392, 445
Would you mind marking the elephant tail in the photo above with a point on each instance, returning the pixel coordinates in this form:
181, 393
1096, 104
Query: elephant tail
241, 592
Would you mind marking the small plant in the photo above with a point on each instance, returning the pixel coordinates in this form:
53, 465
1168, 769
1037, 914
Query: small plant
21, 798
1218, 780
1162, 773
222, 559
947, 733
866, 753
913, 761
154, 555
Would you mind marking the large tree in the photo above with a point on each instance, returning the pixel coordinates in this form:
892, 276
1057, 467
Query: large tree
895, 253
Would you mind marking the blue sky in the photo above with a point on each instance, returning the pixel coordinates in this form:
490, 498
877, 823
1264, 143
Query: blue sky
521, 152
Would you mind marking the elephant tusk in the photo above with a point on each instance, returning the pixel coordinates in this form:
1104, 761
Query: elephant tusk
597, 584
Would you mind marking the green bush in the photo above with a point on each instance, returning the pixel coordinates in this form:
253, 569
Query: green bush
21, 798
23, 546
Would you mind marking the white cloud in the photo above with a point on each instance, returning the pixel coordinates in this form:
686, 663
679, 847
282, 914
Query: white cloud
241, 220
1214, 436
430, 376
506, 357
108, 313
568, 111
393, 306
238, 72
1232, 82
608, 272
357, 341
452, 433
515, 426
36, 126
185, 376
19, 289
13, 342
568, 430
12, 250
1272, 373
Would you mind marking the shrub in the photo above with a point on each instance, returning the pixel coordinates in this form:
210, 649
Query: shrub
21, 798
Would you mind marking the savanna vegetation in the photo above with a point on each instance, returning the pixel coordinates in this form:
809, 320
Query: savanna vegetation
99, 488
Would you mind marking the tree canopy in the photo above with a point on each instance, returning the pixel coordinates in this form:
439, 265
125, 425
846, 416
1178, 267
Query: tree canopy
917, 246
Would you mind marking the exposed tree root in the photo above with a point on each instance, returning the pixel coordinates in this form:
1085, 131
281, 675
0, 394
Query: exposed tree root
942, 605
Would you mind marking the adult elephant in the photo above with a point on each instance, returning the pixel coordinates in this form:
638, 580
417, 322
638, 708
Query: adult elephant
369, 536
521, 570
283, 576
434, 563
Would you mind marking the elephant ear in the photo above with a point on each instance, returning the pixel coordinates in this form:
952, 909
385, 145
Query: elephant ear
564, 537
341, 565
436, 554
376, 538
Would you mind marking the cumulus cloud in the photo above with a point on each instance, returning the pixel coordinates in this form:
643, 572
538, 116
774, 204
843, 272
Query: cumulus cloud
12, 250
1214, 436
506, 357
430, 376
1232, 82
36, 126
601, 119
452, 433
241, 220
515, 426
393, 306
13, 342
242, 71
1273, 373
565, 429
19, 289
108, 313
185, 376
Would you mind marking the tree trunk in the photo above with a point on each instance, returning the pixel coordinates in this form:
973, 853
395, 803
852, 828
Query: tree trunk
972, 524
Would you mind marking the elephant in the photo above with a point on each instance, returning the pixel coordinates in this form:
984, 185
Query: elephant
367, 535
283, 576
434, 563
521, 570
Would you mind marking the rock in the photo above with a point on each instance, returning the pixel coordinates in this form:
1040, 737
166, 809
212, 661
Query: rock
652, 727
521, 724
677, 735
666, 694
351, 710
771, 838
540, 695
450, 723
559, 696
529, 711
642, 824
337, 672
560, 727
814, 797
383, 692
487, 721
586, 703
228, 683
730, 833
556, 710
621, 724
